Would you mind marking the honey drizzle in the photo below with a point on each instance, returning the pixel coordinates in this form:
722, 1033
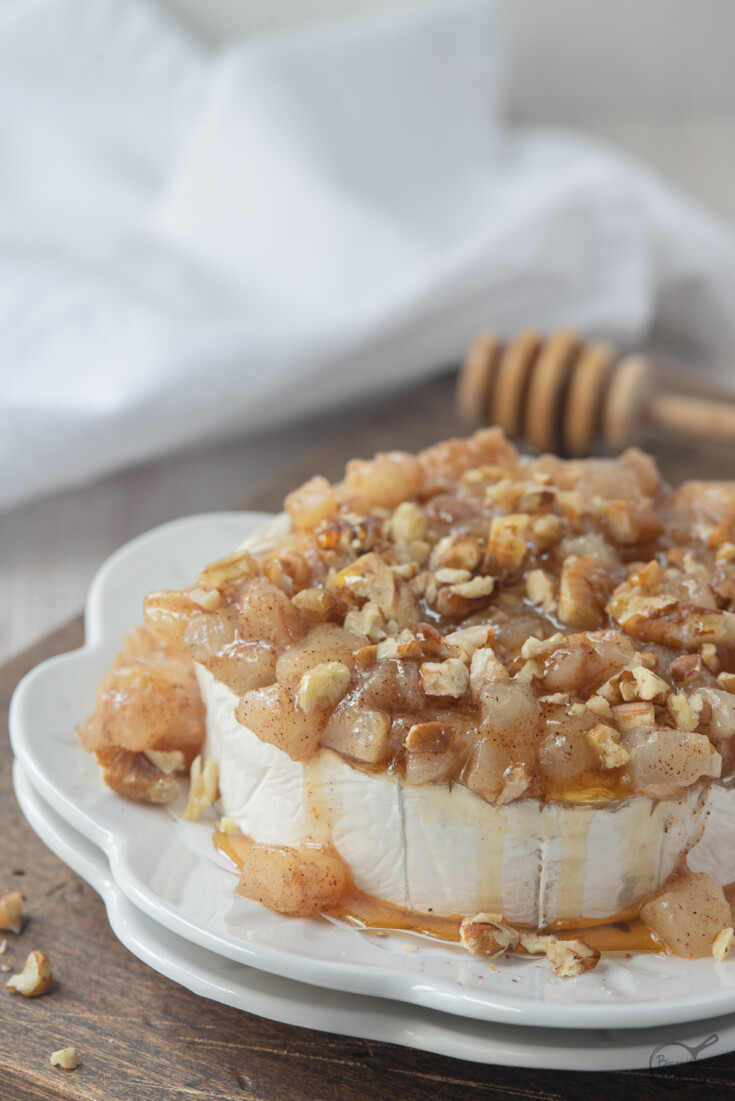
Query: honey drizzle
622, 932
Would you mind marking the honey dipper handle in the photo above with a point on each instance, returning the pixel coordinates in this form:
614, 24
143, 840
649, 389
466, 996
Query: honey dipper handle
701, 418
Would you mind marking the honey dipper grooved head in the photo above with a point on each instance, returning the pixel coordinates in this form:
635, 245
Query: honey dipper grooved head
585, 398
629, 388
546, 390
476, 378
508, 397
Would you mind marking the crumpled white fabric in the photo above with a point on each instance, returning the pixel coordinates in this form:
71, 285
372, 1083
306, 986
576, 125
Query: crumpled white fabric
200, 243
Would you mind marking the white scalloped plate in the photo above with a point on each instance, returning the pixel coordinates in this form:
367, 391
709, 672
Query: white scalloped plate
168, 869
294, 1003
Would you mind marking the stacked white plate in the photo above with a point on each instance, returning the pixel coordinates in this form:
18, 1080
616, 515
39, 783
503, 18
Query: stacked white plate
170, 897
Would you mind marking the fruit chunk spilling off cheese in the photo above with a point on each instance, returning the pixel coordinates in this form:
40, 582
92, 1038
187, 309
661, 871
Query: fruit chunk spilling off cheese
688, 914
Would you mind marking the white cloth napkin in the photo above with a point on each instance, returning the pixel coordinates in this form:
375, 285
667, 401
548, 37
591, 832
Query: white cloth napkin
198, 244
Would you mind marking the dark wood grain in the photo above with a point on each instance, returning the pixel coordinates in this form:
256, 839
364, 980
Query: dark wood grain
142, 1036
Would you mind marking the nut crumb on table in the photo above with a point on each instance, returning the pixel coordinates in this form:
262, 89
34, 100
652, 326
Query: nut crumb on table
35, 978
11, 912
66, 1058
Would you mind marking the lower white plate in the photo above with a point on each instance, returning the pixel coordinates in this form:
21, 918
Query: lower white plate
168, 868
294, 1003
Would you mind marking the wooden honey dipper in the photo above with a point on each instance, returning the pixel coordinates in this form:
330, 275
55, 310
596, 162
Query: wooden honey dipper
562, 394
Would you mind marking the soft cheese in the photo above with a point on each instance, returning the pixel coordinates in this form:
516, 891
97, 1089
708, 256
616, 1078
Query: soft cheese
441, 848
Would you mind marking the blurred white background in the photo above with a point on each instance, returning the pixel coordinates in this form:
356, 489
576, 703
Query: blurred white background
653, 77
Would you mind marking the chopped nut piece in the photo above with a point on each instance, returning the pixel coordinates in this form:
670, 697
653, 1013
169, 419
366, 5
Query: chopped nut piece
430, 737
432, 753
11, 912
650, 685
528, 672
135, 777
669, 621
726, 681
632, 523
407, 571
277, 575
475, 588
563, 699
487, 935
681, 711
486, 669
517, 781
323, 686
535, 944
584, 586
408, 522
644, 658
232, 568
209, 599
443, 545
628, 716
66, 1058
505, 494
722, 944
599, 706
605, 741
685, 668
462, 644
368, 620
35, 978
571, 957
540, 590
537, 647
202, 789
507, 543
318, 605
444, 678
174, 761
418, 550
452, 577
627, 687
545, 532
369, 577
401, 648
461, 554
365, 656
710, 658
571, 503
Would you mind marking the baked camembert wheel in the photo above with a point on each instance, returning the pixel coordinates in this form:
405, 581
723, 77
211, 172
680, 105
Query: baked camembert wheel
490, 694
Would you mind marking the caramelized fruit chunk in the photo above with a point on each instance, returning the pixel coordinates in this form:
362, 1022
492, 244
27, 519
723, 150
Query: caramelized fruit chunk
298, 881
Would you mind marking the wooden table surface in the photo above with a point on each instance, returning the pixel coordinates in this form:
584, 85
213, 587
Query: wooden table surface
141, 1036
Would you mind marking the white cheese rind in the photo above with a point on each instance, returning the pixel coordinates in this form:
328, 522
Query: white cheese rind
443, 849
714, 853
